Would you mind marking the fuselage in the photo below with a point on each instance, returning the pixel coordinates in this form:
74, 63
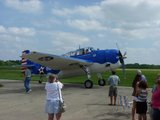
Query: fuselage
100, 61
103, 60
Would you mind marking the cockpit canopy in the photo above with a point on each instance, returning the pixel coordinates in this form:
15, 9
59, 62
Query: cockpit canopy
80, 51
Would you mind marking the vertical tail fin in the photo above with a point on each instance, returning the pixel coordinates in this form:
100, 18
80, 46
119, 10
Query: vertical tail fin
24, 61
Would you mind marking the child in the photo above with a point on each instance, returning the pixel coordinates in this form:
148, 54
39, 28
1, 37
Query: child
141, 104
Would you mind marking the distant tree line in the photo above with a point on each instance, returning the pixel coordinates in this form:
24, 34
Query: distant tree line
134, 66
142, 66
9, 62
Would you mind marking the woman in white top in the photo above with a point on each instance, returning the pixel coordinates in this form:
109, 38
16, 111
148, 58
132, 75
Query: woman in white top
53, 96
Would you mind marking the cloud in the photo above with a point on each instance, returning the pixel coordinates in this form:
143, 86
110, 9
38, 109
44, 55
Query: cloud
116, 10
64, 41
128, 11
14, 40
28, 6
63, 27
143, 55
86, 25
137, 34
23, 31
88, 12
156, 44
12, 46
2, 29
127, 19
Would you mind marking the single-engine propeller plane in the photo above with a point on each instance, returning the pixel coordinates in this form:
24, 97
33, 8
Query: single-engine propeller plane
81, 61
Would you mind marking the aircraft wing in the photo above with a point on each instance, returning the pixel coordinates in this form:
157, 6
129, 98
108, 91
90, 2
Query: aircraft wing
57, 62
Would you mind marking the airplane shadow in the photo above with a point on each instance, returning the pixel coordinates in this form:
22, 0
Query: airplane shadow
20, 90
18, 86
114, 115
81, 86
99, 104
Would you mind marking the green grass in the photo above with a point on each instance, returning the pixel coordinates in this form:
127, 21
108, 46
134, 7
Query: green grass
125, 81
15, 74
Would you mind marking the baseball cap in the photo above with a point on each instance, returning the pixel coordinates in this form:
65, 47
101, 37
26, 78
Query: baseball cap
139, 72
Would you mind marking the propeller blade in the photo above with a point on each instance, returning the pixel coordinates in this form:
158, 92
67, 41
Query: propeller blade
121, 59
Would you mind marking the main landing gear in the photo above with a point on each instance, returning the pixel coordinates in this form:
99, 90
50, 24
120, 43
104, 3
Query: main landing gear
89, 83
41, 78
41, 73
101, 81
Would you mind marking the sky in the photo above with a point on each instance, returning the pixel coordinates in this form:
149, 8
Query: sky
60, 26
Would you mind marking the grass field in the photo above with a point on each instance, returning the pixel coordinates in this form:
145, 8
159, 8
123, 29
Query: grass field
15, 74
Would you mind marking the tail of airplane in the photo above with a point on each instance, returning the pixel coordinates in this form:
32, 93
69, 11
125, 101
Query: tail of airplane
36, 68
24, 61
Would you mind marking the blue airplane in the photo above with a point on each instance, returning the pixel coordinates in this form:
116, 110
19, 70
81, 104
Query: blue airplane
79, 62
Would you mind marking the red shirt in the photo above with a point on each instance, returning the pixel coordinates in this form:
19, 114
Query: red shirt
156, 99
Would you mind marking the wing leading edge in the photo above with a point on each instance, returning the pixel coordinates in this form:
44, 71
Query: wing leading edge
57, 62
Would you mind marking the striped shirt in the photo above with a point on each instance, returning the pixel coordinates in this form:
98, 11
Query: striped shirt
142, 97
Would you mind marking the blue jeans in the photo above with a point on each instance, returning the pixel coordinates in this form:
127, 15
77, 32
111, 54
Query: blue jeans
26, 83
156, 114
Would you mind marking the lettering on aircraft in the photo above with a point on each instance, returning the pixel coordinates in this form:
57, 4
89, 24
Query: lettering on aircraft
47, 58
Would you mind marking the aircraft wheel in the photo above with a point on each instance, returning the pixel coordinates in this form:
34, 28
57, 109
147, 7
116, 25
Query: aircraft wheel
101, 82
88, 84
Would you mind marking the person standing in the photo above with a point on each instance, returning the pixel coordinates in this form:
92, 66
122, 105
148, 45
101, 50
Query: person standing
135, 83
53, 97
113, 81
27, 80
141, 103
155, 103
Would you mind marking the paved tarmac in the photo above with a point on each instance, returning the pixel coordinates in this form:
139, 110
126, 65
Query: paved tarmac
82, 104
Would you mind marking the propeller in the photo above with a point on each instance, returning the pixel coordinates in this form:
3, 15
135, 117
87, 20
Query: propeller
121, 59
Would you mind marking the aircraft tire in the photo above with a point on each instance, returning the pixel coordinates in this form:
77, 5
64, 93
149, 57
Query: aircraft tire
101, 82
88, 84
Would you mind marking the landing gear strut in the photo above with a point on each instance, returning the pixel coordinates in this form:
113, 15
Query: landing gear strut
88, 83
41, 78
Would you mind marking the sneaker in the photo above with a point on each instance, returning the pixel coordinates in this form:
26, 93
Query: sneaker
29, 91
